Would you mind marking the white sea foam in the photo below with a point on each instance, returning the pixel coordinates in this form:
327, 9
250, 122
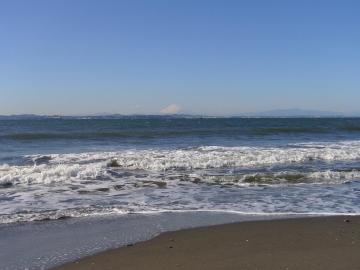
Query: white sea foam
47, 174
334, 176
298, 178
217, 157
89, 166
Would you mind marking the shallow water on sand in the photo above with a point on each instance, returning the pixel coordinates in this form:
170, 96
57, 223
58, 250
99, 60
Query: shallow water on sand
43, 245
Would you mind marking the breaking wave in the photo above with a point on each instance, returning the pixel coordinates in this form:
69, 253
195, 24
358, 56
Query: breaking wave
296, 178
194, 161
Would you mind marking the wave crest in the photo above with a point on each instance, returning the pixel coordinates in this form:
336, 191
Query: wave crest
96, 166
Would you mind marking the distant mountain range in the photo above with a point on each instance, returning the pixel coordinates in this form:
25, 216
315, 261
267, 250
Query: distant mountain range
297, 113
103, 116
272, 113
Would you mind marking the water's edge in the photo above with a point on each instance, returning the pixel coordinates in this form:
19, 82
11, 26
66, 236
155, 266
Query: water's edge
43, 245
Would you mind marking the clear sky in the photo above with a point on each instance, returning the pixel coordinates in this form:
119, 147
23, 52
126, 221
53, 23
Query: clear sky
198, 56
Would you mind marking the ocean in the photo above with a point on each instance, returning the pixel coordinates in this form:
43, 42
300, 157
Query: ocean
61, 168
76, 186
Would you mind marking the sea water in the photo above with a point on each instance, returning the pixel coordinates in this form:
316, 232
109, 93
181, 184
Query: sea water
52, 169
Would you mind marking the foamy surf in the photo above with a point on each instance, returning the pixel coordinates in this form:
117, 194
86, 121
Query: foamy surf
219, 156
60, 168
103, 165
295, 178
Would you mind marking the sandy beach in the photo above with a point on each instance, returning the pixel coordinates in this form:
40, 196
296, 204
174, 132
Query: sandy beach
303, 243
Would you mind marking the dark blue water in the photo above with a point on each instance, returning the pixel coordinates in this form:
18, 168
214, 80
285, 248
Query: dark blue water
51, 168
62, 135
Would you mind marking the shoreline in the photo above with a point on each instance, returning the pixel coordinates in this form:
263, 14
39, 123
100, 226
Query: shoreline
330, 242
47, 244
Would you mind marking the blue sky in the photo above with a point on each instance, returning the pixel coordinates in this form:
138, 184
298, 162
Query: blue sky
208, 57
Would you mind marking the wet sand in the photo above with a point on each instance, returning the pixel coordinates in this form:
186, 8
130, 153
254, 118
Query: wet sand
306, 243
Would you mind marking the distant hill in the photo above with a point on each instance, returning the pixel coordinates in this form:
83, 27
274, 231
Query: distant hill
296, 113
104, 116
271, 113
21, 116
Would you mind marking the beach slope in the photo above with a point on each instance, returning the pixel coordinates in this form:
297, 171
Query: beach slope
303, 243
